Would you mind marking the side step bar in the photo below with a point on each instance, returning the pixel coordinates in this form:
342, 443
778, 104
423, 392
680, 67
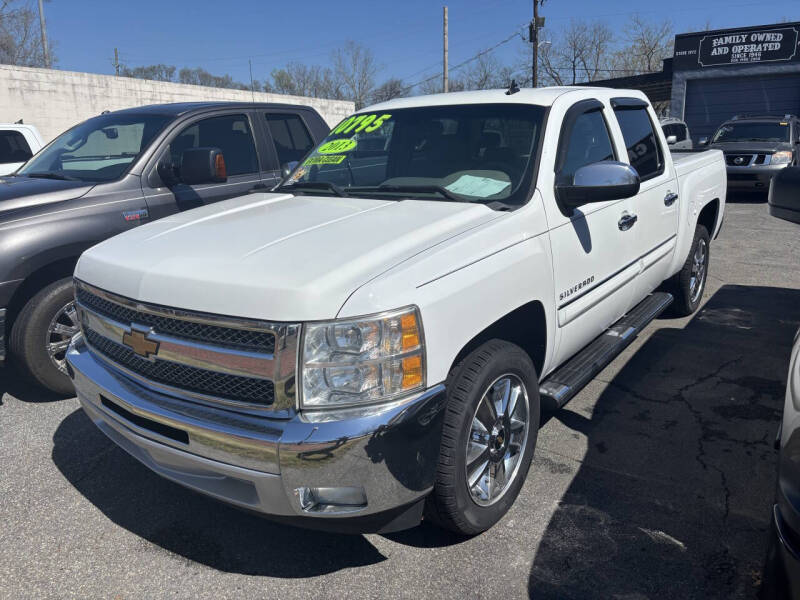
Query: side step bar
566, 381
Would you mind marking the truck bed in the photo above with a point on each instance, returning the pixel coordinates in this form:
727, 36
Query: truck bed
686, 161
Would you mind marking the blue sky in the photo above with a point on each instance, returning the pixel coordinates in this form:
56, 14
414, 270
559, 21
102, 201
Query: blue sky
405, 36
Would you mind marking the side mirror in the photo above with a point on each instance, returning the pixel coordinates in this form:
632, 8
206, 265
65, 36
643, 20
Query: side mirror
672, 139
166, 171
288, 167
703, 141
203, 165
784, 195
598, 182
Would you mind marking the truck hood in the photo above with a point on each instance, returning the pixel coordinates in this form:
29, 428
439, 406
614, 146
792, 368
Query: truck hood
751, 147
23, 192
272, 256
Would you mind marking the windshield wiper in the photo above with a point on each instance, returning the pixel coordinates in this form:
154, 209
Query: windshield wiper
52, 175
314, 185
421, 189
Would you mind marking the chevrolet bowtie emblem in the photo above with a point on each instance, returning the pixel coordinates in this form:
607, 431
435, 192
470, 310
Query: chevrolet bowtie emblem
137, 341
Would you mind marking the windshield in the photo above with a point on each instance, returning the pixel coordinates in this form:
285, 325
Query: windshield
100, 149
468, 153
752, 132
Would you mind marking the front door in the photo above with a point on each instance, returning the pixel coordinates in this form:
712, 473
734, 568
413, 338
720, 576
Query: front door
233, 135
594, 265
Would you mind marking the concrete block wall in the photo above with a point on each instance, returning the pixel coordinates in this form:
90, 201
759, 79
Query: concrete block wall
54, 100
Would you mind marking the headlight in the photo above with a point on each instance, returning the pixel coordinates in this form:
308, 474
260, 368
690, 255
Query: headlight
360, 361
781, 158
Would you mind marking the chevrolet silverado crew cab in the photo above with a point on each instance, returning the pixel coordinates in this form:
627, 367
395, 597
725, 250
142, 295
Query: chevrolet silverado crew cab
112, 173
756, 148
380, 333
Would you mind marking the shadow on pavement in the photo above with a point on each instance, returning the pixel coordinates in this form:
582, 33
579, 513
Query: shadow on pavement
12, 382
181, 522
754, 197
673, 497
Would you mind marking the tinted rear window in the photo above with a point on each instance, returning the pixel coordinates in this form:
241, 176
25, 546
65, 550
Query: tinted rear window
13, 147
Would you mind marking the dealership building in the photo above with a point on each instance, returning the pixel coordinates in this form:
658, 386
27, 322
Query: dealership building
715, 75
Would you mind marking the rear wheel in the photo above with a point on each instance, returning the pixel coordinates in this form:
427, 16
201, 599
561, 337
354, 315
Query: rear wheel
490, 430
689, 283
41, 335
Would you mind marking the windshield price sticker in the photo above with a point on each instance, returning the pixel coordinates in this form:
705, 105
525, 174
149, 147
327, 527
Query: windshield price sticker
359, 123
337, 146
325, 159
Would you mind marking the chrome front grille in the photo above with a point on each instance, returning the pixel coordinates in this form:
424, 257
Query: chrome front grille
227, 337
221, 385
241, 363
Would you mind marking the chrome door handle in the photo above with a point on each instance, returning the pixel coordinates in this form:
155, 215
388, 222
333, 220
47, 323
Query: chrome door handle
670, 198
627, 221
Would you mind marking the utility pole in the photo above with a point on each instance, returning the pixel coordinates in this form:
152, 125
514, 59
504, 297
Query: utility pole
116, 61
536, 24
252, 85
43, 28
444, 66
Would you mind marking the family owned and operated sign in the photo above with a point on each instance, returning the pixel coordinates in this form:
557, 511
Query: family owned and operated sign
777, 43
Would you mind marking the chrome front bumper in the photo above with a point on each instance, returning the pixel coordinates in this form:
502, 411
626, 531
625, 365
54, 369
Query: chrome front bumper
386, 456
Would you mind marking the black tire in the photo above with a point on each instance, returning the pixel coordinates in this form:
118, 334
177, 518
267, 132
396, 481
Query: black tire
687, 298
29, 337
451, 504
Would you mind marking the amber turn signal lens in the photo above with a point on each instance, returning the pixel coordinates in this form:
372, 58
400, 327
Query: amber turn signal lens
219, 167
410, 331
412, 371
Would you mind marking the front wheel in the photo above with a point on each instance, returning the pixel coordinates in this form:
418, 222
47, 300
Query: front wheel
41, 335
490, 430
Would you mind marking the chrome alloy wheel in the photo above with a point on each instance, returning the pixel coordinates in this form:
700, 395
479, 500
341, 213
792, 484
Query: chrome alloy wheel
698, 275
59, 333
497, 439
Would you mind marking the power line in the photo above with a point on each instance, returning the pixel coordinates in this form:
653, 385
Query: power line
466, 62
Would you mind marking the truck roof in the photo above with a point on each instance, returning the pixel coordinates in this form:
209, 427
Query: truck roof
539, 96
180, 108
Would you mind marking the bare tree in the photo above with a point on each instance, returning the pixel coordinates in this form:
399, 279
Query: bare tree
579, 52
302, 80
158, 72
199, 76
354, 65
648, 43
20, 42
389, 89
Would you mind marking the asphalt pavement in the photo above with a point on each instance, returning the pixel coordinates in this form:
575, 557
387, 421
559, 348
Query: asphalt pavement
656, 481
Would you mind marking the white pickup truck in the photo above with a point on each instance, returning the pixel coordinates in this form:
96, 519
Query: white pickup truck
18, 142
375, 339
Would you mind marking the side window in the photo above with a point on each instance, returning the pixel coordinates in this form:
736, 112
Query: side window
644, 151
680, 132
290, 136
589, 142
670, 129
230, 133
13, 147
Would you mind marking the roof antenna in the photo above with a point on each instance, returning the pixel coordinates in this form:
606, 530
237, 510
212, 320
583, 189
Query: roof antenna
18, 122
513, 88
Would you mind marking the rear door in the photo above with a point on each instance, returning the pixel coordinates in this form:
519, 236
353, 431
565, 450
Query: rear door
232, 133
656, 205
594, 265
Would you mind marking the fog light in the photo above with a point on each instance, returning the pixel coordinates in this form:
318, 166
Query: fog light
331, 499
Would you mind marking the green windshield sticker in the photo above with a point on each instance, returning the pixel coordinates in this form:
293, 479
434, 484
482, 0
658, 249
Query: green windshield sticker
359, 123
337, 146
326, 159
